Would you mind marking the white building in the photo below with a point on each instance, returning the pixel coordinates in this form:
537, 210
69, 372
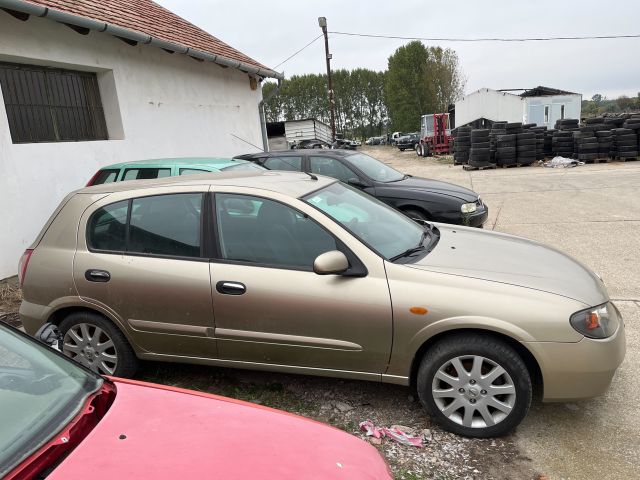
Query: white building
85, 84
540, 105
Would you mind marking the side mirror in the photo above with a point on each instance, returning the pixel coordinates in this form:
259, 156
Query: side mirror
356, 182
331, 263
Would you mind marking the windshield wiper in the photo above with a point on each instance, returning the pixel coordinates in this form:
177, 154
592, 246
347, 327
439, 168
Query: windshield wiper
412, 250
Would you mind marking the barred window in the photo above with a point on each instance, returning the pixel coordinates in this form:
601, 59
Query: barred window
51, 105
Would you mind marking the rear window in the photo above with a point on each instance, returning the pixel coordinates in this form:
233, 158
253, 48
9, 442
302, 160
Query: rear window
108, 227
146, 173
192, 171
105, 176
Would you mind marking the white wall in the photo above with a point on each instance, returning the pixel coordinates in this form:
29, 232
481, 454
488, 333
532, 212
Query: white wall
157, 105
535, 107
490, 104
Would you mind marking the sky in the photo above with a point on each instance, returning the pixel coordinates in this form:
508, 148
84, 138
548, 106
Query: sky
270, 31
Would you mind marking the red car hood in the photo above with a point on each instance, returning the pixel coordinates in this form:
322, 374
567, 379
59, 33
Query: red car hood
174, 433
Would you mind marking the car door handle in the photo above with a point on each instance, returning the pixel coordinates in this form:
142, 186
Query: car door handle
97, 275
230, 288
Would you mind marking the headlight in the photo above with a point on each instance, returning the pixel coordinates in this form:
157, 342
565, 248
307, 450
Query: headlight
468, 207
596, 322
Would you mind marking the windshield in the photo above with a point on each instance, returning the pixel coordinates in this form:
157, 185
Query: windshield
385, 230
375, 169
242, 166
40, 393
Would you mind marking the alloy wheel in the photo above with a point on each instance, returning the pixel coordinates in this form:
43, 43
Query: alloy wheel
92, 347
473, 391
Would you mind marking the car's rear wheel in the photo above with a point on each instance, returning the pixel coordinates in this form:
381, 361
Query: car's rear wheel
93, 341
474, 385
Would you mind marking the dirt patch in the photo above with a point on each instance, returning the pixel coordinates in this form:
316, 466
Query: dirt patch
10, 296
344, 404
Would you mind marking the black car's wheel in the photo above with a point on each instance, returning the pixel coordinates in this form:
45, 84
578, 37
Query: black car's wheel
401, 149
474, 385
416, 214
93, 341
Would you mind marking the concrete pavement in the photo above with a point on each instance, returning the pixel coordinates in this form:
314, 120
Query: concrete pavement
591, 212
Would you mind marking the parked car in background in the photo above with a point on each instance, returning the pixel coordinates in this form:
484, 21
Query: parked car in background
408, 142
395, 136
305, 275
61, 421
344, 143
310, 144
420, 198
166, 167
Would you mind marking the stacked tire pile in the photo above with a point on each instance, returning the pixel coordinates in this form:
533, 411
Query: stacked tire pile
548, 142
497, 129
633, 123
462, 146
540, 135
562, 141
604, 138
506, 149
479, 154
624, 143
526, 147
586, 144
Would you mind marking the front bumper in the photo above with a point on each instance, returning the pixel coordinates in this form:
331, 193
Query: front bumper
477, 218
575, 371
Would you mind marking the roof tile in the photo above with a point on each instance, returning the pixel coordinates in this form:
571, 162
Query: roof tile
145, 16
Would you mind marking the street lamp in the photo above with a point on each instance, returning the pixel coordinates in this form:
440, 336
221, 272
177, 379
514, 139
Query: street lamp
322, 22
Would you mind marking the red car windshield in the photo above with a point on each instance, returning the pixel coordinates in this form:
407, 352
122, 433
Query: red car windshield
40, 393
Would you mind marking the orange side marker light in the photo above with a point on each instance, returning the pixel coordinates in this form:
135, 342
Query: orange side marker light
419, 310
593, 321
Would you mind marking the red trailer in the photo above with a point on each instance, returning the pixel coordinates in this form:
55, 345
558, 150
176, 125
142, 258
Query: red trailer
435, 135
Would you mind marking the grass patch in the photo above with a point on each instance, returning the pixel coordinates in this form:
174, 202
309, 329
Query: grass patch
445, 159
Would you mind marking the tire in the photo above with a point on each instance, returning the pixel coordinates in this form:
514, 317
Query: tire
418, 150
88, 325
402, 149
415, 214
487, 353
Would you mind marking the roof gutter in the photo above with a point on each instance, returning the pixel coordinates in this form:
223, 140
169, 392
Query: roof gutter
83, 25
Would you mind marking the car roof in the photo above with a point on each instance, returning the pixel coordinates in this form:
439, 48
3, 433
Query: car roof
294, 184
212, 162
337, 152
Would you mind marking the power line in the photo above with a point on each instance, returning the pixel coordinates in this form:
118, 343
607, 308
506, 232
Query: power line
296, 53
533, 39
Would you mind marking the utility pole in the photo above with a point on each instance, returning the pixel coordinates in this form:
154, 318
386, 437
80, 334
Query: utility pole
322, 21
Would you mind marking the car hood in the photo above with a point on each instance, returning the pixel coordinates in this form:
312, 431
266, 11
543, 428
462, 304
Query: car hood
503, 258
435, 186
172, 433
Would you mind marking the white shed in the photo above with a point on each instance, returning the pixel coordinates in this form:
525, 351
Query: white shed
89, 83
540, 105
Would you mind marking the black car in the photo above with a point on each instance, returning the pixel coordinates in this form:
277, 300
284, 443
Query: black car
408, 142
419, 198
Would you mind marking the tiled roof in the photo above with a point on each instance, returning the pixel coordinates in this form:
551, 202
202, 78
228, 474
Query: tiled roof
147, 17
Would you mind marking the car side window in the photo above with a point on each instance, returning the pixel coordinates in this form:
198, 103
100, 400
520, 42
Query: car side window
290, 164
192, 171
166, 225
146, 173
108, 227
268, 233
331, 168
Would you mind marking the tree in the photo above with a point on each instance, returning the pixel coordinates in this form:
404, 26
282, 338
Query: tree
597, 98
624, 102
421, 80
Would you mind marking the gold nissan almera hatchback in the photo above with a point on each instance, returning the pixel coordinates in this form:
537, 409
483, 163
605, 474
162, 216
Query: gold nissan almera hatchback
296, 273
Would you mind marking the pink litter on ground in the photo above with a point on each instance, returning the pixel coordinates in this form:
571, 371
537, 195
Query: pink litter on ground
393, 433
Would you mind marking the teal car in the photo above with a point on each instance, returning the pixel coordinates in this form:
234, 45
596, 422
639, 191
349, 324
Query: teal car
168, 167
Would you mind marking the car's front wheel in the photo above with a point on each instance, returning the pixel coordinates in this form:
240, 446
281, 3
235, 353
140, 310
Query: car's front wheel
474, 385
93, 341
